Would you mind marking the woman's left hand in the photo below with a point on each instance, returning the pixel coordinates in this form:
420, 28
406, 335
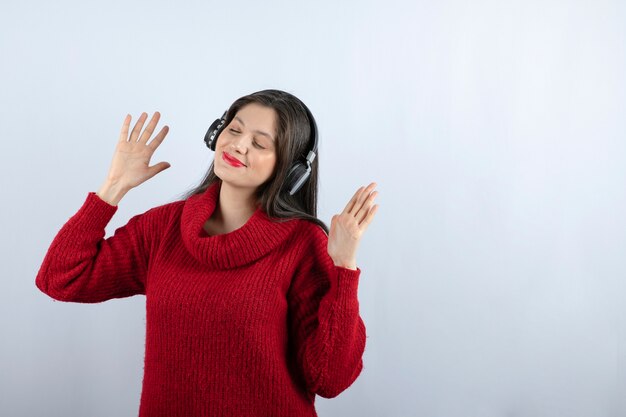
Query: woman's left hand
347, 228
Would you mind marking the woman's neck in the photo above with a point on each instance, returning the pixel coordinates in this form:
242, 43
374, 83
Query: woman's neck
234, 208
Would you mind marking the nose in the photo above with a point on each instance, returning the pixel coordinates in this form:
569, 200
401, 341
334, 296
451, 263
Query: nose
239, 144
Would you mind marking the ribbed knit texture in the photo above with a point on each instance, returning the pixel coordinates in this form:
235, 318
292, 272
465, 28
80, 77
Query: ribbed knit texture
254, 322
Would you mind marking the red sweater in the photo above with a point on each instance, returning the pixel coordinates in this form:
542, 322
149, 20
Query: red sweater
254, 322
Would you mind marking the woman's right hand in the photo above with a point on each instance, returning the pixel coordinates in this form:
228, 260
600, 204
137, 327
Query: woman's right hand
130, 165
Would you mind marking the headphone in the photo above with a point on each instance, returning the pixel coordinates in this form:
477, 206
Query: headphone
298, 173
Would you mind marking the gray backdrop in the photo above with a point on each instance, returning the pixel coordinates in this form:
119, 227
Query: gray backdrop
493, 275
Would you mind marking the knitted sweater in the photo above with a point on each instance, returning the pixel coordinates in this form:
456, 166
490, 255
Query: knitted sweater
254, 322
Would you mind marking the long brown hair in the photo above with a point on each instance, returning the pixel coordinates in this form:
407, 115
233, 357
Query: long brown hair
294, 141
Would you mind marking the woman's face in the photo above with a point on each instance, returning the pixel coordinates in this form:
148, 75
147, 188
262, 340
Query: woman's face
245, 152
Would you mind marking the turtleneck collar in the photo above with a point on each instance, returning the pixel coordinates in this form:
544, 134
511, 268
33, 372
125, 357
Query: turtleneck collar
257, 237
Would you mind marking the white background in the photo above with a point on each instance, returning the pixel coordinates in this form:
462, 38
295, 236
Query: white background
494, 273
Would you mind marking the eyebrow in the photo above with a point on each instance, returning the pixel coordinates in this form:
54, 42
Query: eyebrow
260, 132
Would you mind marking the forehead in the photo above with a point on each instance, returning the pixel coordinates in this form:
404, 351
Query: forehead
258, 117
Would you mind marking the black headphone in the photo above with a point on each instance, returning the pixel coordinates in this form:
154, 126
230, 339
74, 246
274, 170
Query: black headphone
299, 171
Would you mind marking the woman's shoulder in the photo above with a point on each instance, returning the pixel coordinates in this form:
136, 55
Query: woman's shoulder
309, 233
163, 211
310, 246
169, 207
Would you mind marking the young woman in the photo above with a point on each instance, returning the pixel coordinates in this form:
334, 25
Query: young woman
251, 307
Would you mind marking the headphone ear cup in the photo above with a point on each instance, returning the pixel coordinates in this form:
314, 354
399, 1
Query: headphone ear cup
296, 177
210, 138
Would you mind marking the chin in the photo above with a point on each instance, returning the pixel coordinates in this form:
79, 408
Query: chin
222, 172
227, 178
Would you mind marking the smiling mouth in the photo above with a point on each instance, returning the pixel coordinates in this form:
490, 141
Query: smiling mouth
232, 161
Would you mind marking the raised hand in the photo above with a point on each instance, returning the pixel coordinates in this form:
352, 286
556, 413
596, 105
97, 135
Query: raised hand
130, 166
347, 228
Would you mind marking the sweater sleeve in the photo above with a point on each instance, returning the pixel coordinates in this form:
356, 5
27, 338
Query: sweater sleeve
328, 332
81, 266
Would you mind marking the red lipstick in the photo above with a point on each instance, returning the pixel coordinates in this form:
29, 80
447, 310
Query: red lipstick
232, 160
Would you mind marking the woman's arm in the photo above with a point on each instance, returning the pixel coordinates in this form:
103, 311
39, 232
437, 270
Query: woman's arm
324, 309
82, 266
326, 328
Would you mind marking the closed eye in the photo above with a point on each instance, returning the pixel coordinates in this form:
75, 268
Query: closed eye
254, 143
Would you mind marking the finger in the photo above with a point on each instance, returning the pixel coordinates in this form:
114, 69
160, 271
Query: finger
150, 128
124, 132
158, 139
360, 215
365, 206
352, 201
135, 133
362, 197
368, 219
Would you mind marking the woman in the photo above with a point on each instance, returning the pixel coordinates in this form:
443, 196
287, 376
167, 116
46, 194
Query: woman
251, 308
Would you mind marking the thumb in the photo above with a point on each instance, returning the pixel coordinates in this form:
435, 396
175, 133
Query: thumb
155, 169
333, 222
